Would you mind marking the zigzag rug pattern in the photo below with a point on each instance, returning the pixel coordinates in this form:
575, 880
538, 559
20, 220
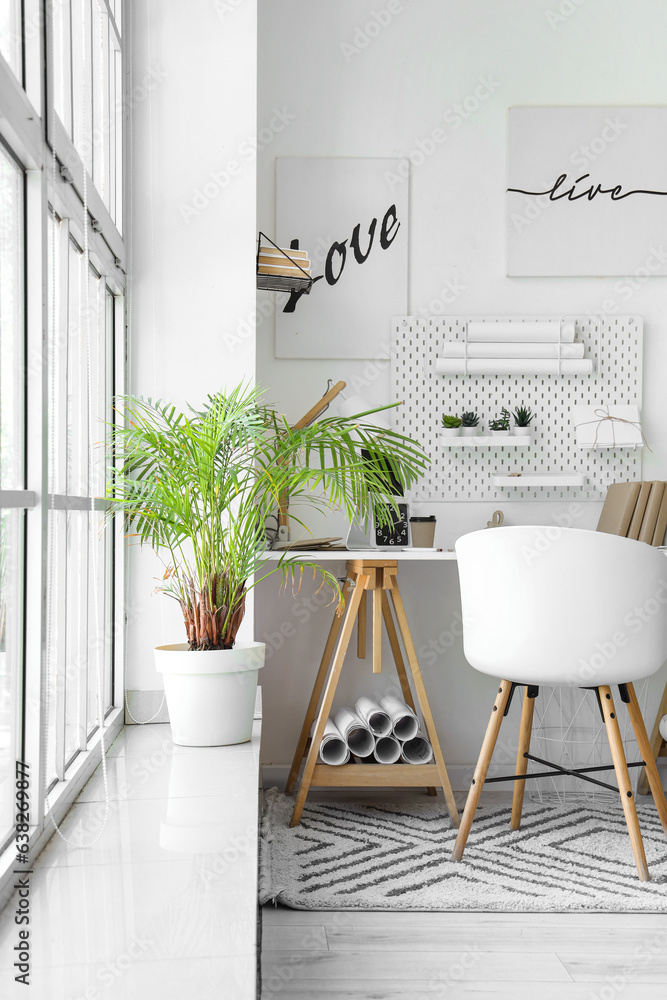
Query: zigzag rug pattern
389, 856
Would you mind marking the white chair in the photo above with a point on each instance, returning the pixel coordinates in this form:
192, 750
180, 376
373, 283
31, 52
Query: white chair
562, 606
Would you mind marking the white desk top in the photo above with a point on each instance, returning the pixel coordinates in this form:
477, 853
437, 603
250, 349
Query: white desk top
338, 555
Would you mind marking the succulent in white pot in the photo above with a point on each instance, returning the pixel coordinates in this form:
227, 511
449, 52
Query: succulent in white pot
198, 488
500, 425
522, 418
469, 423
451, 425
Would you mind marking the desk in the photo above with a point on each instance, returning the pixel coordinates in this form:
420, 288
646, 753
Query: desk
374, 571
343, 555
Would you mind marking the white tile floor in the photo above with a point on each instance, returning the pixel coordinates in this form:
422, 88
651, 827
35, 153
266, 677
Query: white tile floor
163, 903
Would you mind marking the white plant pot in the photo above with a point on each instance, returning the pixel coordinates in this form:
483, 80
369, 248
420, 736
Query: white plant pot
211, 694
500, 434
521, 431
450, 432
469, 432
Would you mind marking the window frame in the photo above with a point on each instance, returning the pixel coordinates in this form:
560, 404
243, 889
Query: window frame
30, 132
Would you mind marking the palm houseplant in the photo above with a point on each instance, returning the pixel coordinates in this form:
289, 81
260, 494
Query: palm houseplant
199, 487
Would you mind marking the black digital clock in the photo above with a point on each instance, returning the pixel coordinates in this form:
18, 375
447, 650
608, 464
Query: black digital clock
394, 532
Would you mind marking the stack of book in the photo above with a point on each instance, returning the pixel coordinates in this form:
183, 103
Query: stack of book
286, 263
636, 510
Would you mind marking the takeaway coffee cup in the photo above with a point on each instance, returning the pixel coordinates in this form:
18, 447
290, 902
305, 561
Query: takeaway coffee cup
422, 530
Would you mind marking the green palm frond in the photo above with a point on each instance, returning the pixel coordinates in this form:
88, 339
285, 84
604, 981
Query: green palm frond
197, 487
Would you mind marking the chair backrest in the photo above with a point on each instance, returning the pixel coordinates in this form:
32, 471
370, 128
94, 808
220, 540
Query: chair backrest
550, 605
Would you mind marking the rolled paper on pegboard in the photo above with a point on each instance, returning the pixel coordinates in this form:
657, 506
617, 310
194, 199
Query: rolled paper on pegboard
418, 750
387, 750
512, 366
370, 712
547, 331
356, 733
459, 349
404, 722
333, 748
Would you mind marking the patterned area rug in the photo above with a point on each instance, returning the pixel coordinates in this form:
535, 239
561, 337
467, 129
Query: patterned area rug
393, 856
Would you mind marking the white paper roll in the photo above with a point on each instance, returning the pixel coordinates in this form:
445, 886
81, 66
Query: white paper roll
370, 712
333, 748
418, 750
512, 366
663, 727
387, 750
546, 331
404, 722
356, 733
457, 349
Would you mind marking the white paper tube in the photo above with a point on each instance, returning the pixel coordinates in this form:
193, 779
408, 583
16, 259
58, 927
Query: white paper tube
370, 712
404, 722
356, 733
546, 331
333, 748
387, 750
418, 750
457, 349
512, 366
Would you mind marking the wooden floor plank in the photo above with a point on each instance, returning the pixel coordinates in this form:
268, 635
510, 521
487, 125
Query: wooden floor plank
436, 967
420, 989
397, 919
495, 935
636, 968
294, 937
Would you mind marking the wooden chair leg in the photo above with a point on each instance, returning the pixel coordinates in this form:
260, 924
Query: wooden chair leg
521, 761
420, 690
398, 660
623, 778
482, 768
327, 700
647, 755
311, 711
655, 744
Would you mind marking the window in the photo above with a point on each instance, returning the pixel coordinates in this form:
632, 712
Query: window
62, 269
12, 475
82, 558
11, 33
88, 91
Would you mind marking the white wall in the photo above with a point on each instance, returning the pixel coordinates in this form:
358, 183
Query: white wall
193, 233
348, 94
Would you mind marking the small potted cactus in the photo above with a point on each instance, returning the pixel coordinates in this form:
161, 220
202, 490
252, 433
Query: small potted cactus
522, 418
451, 425
469, 422
500, 425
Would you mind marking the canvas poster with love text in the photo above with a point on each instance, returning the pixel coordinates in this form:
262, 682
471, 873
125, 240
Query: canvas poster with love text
587, 191
351, 215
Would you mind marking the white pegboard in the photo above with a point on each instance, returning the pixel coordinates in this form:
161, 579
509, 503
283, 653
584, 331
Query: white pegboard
615, 345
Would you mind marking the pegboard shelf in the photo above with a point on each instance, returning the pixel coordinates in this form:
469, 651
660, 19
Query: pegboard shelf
523, 480
461, 472
486, 441
609, 447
